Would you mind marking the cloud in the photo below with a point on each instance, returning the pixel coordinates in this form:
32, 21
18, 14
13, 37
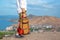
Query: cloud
42, 3
48, 6
38, 7
36, 2
42, 7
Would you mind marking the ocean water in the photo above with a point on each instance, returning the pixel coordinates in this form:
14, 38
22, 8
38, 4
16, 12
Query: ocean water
4, 21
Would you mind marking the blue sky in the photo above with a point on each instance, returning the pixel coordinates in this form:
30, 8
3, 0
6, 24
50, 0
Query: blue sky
36, 7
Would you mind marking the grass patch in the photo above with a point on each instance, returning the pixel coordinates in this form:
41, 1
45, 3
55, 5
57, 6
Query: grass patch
48, 29
3, 33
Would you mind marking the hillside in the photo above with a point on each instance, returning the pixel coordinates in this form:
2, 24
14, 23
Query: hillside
42, 21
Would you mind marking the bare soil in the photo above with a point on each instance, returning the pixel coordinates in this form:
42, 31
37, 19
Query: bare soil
37, 36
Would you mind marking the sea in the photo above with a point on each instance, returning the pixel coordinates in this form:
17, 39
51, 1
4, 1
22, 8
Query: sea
4, 21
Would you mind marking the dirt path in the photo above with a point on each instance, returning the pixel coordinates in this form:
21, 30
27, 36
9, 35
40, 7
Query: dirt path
37, 36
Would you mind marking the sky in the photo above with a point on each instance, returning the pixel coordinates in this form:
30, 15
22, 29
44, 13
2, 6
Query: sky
35, 7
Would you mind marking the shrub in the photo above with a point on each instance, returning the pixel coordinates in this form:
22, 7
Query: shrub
31, 29
1, 35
